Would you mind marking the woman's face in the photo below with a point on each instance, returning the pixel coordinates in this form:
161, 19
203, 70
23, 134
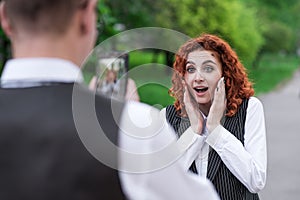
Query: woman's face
202, 73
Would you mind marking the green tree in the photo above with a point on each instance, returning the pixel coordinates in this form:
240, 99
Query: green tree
279, 37
230, 19
295, 12
281, 23
106, 22
131, 13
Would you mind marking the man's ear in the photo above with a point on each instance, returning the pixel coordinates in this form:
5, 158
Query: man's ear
88, 19
5, 22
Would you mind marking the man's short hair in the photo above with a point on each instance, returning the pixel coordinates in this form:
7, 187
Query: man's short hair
46, 16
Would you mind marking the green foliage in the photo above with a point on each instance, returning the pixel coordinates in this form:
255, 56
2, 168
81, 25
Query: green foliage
274, 70
120, 15
106, 22
231, 20
281, 23
279, 37
131, 13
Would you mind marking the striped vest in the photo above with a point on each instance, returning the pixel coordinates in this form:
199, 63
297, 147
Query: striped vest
226, 184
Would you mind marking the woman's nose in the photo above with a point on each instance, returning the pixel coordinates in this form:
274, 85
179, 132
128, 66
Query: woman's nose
199, 76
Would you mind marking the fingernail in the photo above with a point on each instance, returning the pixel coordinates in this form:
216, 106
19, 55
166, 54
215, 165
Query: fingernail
220, 81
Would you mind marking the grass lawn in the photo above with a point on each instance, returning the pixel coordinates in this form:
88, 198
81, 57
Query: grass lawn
152, 77
273, 71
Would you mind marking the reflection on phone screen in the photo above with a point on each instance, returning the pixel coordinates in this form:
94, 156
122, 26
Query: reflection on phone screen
111, 74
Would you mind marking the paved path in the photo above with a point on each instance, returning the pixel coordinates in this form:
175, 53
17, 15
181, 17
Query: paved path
282, 112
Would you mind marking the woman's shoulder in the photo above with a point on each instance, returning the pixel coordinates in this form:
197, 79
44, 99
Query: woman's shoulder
168, 109
255, 103
254, 100
171, 110
163, 111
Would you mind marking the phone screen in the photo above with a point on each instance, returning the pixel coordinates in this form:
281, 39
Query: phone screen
111, 74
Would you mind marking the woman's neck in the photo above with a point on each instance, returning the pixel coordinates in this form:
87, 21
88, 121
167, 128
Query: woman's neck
204, 108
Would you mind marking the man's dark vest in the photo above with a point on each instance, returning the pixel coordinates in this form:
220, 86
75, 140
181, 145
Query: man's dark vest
226, 184
42, 156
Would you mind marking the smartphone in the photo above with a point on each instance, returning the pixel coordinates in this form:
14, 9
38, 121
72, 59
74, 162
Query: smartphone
112, 74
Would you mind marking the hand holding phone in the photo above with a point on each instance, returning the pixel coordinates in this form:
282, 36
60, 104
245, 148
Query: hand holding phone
111, 75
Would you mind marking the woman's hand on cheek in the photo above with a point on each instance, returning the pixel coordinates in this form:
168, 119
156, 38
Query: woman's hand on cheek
217, 109
193, 112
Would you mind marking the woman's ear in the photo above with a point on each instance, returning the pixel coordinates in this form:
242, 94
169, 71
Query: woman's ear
5, 22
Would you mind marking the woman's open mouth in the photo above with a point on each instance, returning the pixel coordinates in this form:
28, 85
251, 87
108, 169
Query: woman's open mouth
200, 90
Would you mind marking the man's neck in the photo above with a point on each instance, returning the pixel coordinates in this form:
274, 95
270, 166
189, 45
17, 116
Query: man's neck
46, 47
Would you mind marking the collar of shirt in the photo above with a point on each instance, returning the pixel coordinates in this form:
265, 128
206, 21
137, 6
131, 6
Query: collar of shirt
204, 130
41, 70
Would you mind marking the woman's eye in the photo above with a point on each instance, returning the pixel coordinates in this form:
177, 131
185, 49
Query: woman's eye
208, 68
190, 69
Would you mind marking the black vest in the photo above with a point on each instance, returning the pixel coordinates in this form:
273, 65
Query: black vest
226, 184
42, 156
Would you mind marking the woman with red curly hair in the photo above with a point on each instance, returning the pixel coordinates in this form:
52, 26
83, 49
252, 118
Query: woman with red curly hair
214, 99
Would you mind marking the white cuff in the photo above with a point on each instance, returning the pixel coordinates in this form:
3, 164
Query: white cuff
214, 136
189, 137
192, 143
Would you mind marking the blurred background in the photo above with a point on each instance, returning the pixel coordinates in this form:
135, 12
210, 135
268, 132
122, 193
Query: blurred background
264, 33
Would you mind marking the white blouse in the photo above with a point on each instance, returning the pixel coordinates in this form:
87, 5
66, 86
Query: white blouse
249, 162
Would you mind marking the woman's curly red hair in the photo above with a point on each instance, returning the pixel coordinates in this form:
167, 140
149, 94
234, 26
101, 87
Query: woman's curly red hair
237, 84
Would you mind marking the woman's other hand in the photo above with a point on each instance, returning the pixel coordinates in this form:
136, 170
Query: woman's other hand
217, 110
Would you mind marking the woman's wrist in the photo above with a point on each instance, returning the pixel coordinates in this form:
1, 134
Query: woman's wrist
211, 127
197, 130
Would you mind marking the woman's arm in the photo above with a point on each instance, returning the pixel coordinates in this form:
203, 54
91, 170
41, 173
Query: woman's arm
249, 162
193, 148
161, 176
